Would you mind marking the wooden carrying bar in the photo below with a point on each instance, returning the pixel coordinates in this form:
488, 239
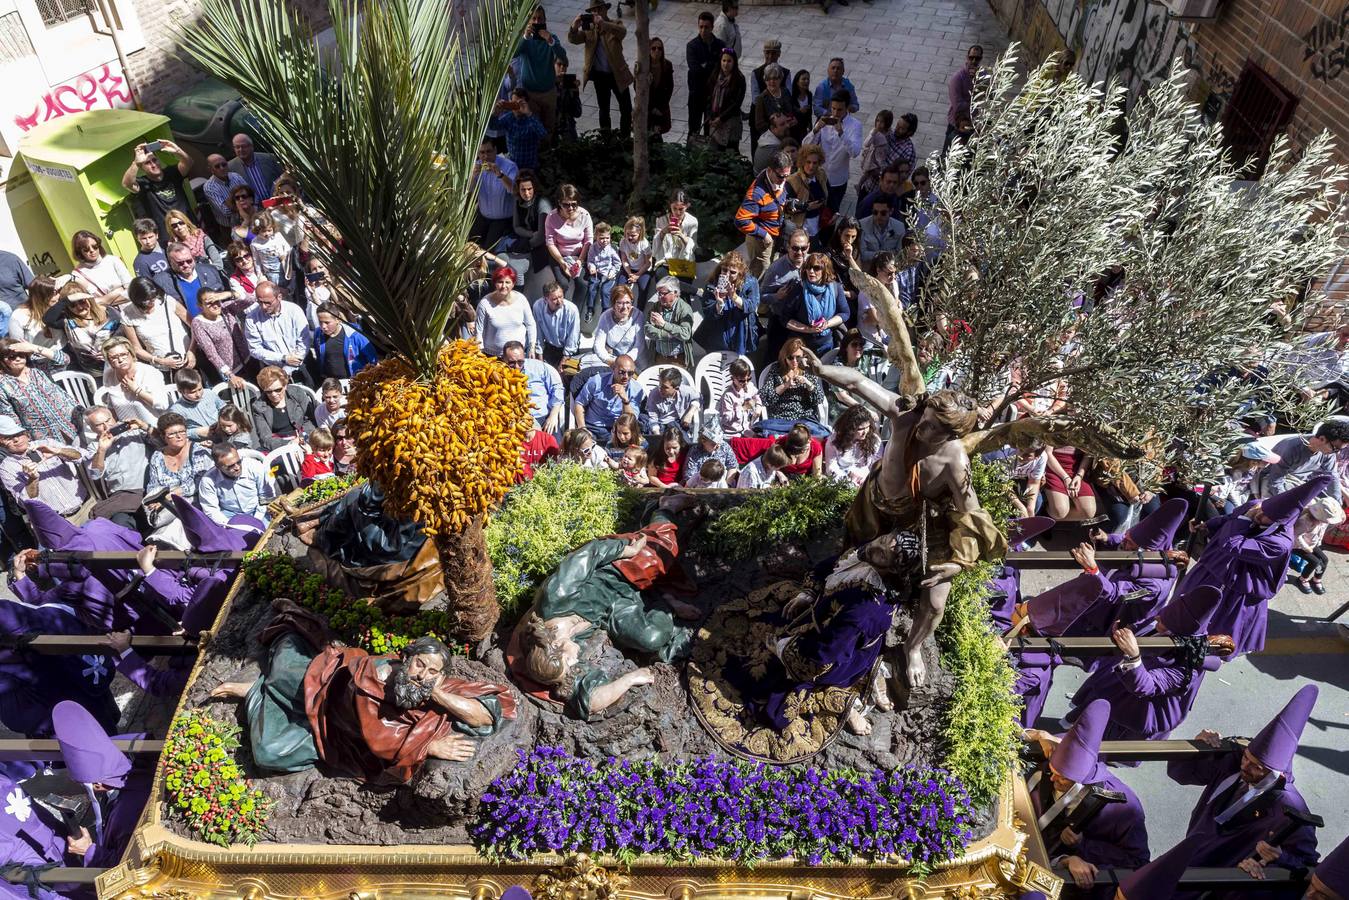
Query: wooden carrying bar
1062, 559
80, 644
1153, 751
18, 749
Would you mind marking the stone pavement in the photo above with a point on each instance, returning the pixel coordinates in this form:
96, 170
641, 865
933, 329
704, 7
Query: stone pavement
898, 53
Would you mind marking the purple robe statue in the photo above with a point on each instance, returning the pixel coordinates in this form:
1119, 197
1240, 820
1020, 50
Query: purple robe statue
92, 759
1150, 697
1117, 835
1248, 562
1233, 815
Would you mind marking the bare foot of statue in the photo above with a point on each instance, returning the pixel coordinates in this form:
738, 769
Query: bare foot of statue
915, 670
857, 721
880, 692
231, 690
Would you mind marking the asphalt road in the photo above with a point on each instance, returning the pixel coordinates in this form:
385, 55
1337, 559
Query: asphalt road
1304, 646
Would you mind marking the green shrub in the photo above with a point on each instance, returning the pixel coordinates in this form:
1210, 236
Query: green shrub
542, 520
600, 166
981, 731
204, 785
795, 512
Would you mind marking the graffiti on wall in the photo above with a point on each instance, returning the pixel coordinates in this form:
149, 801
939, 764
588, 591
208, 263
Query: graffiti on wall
1132, 40
1325, 48
101, 87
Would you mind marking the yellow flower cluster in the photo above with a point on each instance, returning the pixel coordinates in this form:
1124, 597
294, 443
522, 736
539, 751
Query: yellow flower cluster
445, 451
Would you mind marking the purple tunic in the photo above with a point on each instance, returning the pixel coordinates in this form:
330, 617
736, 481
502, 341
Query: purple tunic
1226, 845
1147, 702
1248, 563
1004, 594
31, 684
1116, 837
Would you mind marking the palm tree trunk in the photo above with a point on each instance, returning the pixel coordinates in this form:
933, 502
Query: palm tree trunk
469, 592
641, 137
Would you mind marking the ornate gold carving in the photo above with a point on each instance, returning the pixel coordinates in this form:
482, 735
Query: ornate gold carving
579, 878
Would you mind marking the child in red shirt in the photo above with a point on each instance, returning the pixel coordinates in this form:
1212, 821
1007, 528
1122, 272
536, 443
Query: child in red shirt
538, 448
318, 462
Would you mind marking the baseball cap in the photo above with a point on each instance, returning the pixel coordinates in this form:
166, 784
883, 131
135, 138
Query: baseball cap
9, 426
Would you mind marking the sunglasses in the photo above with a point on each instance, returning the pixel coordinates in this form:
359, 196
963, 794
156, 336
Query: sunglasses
570, 205
814, 268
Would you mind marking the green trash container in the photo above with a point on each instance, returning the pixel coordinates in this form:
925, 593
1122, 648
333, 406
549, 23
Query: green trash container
206, 118
77, 163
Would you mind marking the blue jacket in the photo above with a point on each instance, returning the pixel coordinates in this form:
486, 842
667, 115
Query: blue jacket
358, 351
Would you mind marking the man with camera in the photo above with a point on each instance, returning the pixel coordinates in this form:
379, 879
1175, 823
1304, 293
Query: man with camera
496, 197
840, 136
158, 188
537, 53
524, 131
121, 462
760, 214
605, 66
776, 138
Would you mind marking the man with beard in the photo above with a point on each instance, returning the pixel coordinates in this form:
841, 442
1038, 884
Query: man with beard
372, 717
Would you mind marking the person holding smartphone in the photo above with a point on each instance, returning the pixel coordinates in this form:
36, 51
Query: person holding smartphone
160, 189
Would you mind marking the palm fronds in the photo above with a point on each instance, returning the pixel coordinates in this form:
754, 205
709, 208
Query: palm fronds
382, 131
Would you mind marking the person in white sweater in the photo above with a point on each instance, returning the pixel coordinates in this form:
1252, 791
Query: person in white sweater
504, 315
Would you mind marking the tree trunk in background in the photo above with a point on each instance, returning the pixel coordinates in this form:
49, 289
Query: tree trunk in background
641, 138
469, 592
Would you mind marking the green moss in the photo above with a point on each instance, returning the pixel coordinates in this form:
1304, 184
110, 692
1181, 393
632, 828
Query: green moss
542, 520
981, 731
794, 513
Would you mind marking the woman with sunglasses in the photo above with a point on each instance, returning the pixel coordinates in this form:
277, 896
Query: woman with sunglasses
86, 326
30, 396
99, 272
344, 449
791, 394
241, 200
661, 90
29, 321
244, 277
818, 305
280, 414
568, 233
184, 231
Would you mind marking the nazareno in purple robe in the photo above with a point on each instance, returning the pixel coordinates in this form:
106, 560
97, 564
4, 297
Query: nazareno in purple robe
1248, 563
26, 839
32, 683
1117, 835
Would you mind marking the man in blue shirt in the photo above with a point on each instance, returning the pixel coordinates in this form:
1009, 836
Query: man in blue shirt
187, 278
546, 398
559, 325
605, 397
524, 131
236, 491
825, 90
496, 197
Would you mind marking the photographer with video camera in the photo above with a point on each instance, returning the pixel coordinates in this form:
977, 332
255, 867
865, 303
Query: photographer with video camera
538, 50
605, 66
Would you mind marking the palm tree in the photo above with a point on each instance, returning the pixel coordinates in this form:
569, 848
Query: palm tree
382, 131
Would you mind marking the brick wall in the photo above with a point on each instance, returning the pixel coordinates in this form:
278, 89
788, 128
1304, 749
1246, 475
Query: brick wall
160, 72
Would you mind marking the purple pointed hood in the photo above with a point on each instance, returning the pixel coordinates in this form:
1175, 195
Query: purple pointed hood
51, 528
1053, 611
204, 535
205, 603
1160, 877
1276, 744
515, 893
1157, 531
1333, 870
1190, 613
1027, 529
1075, 756
1288, 506
89, 753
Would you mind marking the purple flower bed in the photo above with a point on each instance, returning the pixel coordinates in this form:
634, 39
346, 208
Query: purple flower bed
733, 810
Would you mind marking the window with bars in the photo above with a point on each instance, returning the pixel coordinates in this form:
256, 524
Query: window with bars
1259, 110
55, 12
14, 42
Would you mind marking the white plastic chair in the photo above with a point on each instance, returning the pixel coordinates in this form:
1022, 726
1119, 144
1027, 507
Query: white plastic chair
287, 458
241, 397
713, 376
650, 381
174, 395
80, 386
